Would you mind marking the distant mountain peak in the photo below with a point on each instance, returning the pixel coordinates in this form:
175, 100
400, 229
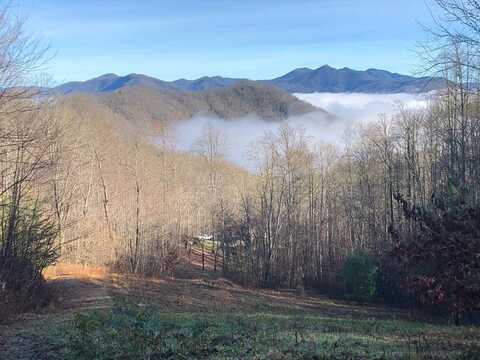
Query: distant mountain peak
329, 79
301, 80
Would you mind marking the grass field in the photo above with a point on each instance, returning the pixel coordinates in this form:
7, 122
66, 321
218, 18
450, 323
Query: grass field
200, 315
143, 332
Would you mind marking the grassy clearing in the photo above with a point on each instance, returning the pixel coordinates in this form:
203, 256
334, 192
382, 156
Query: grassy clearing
130, 331
111, 316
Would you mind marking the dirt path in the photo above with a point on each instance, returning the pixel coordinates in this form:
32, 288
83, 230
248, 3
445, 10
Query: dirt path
76, 290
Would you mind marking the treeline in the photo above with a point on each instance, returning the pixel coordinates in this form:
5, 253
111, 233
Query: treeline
402, 193
313, 206
123, 199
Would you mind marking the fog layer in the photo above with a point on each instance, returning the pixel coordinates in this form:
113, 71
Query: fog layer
349, 109
364, 107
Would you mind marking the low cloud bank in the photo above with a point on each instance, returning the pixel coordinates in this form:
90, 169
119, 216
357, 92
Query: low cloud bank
364, 107
350, 109
239, 135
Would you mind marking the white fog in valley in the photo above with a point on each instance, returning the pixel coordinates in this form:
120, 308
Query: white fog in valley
349, 110
356, 107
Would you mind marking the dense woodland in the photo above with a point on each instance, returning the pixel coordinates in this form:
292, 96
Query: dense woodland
79, 183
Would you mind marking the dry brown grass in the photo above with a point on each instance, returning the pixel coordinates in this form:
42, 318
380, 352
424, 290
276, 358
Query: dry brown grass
76, 271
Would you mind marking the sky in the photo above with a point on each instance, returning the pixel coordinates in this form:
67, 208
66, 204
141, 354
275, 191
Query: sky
256, 39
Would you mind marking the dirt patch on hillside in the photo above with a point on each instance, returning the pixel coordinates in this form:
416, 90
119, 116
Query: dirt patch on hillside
75, 288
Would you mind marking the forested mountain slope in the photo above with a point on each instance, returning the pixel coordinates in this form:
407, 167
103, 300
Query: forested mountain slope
146, 107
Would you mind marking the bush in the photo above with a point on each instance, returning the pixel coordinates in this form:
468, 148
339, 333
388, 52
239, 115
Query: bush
22, 286
391, 286
360, 277
440, 259
27, 247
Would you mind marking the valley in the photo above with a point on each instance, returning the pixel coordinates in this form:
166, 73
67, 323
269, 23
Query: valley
218, 193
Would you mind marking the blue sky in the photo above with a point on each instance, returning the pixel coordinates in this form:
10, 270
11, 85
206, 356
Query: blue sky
257, 39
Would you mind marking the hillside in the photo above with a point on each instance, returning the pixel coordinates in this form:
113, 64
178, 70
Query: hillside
100, 313
143, 104
303, 80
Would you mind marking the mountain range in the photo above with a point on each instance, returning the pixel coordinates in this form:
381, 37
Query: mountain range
303, 80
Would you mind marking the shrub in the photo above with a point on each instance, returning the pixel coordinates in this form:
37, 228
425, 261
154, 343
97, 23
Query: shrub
440, 259
23, 287
391, 286
360, 277
27, 247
